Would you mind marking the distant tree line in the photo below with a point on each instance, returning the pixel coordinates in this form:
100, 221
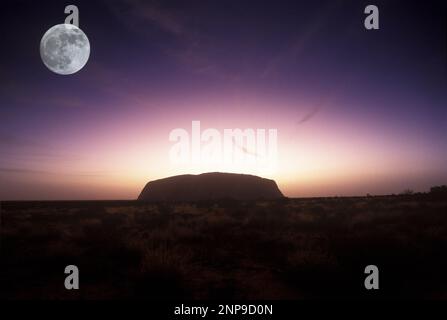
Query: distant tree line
439, 190
436, 192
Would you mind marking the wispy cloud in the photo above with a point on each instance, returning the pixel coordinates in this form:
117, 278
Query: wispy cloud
309, 115
22, 170
151, 11
186, 43
15, 148
18, 170
138, 15
8, 140
299, 42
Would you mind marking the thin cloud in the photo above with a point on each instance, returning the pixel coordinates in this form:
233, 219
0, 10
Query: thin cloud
22, 170
308, 116
14, 148
325, 101
244, 149
134, 13
187, 44
151, 11
15, 170
8, 140
299, 43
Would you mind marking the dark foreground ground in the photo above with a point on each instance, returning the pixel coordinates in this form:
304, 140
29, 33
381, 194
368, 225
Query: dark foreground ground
291, 249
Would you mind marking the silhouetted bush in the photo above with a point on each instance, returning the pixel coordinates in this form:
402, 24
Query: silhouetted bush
439, 190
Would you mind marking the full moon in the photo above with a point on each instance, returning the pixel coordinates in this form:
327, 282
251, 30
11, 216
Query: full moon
64, 49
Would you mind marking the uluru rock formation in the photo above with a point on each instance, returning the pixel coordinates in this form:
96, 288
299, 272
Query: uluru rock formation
211, 186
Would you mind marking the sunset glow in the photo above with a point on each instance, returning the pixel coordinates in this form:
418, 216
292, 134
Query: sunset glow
350, 119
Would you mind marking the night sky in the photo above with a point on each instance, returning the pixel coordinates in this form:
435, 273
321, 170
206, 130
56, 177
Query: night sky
356, 111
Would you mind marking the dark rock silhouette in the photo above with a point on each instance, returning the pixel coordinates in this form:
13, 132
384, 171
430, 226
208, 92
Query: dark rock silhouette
211, 186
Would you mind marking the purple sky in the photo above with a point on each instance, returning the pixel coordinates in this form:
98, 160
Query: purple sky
356, 111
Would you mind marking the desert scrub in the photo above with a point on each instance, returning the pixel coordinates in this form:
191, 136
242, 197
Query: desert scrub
163, 272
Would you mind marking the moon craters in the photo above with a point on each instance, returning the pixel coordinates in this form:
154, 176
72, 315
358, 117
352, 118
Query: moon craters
64, 49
